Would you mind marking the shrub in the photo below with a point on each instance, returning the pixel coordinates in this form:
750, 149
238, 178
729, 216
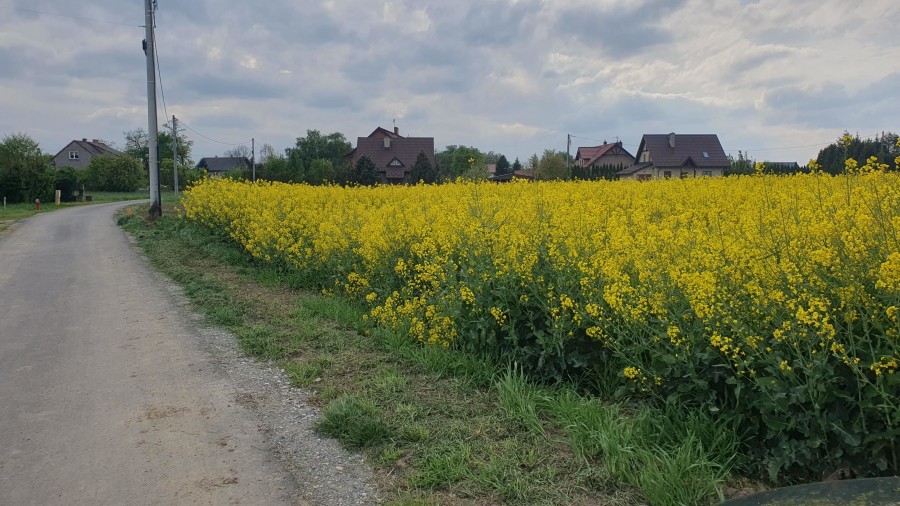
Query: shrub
25, 173
115, 173
67, 182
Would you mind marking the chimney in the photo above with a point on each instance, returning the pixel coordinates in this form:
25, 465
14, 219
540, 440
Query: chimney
83, 140
396, 130
96, 141
387, 143
672, 140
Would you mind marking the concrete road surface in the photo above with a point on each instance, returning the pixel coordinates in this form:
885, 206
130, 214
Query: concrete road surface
104, 396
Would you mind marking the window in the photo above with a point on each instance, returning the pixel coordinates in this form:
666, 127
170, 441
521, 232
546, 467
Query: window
645, 156
705, 154
667, 174
73, 155
707, 173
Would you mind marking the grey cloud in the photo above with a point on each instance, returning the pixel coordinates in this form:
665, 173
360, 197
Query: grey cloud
208, 85
496, 22
18, 62
833, 106
619, 31
331, 99
748, 63
225, 120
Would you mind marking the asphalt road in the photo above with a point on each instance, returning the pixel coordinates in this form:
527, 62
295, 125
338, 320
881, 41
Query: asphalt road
105, 397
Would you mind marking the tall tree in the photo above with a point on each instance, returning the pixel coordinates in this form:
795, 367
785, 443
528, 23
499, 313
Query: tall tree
364, 173
469, 162
516, 166
443, 161
137, 145
25, 172
320, 171
533, 162
460, 161
315, 146
552, 166
274, 168
423, 170
503, 167
115, 173
266, 151
833, 157
740, 165
239, 151
492, 157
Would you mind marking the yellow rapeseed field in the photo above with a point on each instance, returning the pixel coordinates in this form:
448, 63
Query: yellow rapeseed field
759, 295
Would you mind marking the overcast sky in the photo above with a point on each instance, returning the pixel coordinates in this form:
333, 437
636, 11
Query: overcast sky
512, 76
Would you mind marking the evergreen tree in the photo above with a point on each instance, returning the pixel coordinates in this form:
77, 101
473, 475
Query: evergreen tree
423, 170
364, 173
833, 157
503, 167
516, 166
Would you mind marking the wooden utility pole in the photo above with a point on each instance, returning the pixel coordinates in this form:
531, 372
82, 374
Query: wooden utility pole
152, 128
175, 152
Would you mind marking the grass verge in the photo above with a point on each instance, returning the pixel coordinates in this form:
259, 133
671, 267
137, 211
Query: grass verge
13, 212
438, 426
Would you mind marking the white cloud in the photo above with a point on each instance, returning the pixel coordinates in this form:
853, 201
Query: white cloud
511, 76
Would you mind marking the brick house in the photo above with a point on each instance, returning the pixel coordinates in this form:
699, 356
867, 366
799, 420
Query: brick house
662, 156
392, 154
78, 154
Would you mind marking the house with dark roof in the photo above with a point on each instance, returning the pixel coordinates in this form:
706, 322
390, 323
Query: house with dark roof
589, 160
215, 166
392, 154
78, 154
661, 156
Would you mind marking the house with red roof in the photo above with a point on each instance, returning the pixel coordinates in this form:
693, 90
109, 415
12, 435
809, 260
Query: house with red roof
604, 154
663, 156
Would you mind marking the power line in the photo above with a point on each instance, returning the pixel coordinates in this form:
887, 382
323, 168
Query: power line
185, 125
162, 92
598, 140
778, 149
66, 16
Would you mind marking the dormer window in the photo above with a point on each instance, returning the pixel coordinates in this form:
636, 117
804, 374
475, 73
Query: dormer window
73, 155
395, 164
705, 154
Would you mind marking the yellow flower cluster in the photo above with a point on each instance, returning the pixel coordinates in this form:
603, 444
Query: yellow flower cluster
760, 272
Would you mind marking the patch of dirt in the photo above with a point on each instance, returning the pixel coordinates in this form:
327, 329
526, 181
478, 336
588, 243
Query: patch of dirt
160, 412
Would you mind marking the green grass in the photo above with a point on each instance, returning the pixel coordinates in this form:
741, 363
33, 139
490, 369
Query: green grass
13, 212
440, 426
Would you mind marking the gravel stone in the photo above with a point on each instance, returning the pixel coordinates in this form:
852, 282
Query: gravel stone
325, 473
